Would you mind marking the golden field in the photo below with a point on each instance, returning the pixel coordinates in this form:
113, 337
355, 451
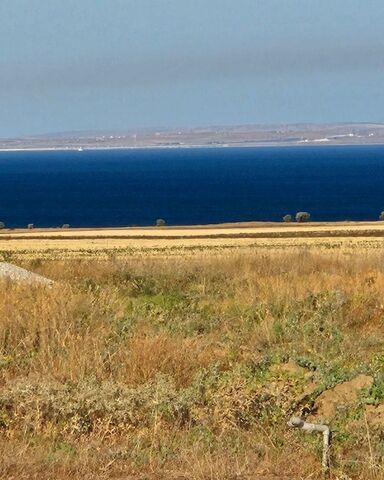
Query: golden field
185, 357
175, 240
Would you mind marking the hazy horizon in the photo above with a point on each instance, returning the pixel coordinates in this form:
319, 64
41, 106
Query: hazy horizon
160, 128
135, 64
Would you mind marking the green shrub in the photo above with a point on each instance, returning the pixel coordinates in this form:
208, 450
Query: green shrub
303, 217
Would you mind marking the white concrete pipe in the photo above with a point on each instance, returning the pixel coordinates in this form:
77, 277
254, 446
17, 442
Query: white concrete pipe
297, 422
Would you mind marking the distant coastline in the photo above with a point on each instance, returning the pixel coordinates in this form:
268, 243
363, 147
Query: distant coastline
204, 137
190, 147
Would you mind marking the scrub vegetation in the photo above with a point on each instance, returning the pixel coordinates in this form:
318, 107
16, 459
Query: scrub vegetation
176, 366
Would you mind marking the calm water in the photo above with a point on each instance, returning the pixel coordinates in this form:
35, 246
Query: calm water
190, 186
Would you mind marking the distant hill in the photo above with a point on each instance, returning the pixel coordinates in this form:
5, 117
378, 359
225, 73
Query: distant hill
219, 136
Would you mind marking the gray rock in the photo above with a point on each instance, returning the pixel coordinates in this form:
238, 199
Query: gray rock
9, 272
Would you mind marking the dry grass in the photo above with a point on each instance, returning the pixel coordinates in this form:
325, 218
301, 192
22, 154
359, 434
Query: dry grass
163, 366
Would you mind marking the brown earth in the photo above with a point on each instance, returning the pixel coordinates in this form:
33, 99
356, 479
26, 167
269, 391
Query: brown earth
343, 394
375, 415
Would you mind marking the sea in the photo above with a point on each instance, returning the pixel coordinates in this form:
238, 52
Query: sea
188, 186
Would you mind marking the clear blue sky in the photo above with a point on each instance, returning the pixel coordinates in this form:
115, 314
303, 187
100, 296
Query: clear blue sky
121, 64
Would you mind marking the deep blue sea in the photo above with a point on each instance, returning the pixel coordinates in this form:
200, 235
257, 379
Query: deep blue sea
190, 186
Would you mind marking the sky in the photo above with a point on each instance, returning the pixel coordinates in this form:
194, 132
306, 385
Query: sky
69, 65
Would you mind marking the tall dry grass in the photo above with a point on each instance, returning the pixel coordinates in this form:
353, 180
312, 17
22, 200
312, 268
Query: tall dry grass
165, 366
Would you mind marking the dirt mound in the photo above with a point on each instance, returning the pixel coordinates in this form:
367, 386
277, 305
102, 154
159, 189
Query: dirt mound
290, 368
375, 415
345, 393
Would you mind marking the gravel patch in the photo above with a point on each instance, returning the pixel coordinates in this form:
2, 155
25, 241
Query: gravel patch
18, 274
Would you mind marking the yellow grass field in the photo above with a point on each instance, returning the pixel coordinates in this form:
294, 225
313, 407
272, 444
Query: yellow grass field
181, 353
87, 242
